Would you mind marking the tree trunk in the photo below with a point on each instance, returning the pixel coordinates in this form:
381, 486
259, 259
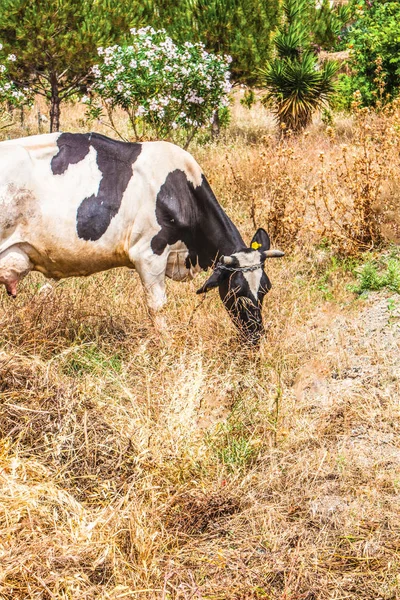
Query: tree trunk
215, 126
54, 105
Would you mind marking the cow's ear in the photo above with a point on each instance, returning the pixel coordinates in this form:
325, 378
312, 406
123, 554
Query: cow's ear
260, 240
212, 282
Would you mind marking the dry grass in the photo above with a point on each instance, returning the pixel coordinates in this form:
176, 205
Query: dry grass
182, 466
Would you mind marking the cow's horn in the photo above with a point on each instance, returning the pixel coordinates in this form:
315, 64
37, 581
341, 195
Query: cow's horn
227, 260
273, 254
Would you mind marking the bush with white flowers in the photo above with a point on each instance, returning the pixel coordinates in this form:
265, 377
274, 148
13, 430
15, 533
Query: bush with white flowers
10, 94
161, 86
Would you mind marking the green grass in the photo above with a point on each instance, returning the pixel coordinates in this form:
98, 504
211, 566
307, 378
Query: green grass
378, 273
337, 267
90, 359
234, 445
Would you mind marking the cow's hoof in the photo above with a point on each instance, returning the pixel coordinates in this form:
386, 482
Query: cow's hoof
160, 324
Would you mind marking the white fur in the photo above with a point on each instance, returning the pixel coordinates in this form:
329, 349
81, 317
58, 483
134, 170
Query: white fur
38, 212
253, 278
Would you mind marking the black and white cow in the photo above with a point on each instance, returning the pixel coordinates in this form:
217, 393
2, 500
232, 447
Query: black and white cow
73, 204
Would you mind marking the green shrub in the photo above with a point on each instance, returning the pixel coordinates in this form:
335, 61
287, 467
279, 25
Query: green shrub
10, 94
375, 275
374, 42
160, 85
296, 83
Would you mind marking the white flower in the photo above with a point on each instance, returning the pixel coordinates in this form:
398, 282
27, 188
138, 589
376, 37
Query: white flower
96, 71
12, 57
193, 98
164, 101
154, 105
133, 64
100, 50
85, 99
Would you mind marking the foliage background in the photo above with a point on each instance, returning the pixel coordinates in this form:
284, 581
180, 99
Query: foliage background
374, 43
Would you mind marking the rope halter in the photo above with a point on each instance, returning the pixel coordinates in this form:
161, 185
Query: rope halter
238, 269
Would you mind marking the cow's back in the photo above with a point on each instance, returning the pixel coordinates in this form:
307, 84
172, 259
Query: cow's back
82, 203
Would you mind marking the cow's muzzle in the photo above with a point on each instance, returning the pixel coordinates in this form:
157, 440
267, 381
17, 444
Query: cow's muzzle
248, 319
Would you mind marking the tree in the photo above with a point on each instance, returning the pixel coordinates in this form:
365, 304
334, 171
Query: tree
239, 28
297, 85
327, 22
159, 84
374, 42
55, 42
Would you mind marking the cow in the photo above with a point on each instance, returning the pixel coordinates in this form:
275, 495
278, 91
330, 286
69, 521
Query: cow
73, 204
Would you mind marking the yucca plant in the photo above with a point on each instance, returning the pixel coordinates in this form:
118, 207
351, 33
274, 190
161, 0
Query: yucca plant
296, 83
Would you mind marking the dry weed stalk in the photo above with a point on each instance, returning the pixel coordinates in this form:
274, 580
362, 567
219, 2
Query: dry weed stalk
347, 197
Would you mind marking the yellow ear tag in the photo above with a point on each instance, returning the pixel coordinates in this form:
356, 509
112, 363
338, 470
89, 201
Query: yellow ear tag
256, 245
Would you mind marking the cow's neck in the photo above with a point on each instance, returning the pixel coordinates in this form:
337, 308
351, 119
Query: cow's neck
191, 214
215, 233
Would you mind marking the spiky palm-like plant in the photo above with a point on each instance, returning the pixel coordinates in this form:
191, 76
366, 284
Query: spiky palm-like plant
296, 84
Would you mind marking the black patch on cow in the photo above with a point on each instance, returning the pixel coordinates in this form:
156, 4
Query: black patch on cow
115, 160
265, 286
192, 215
73, 147
235, 292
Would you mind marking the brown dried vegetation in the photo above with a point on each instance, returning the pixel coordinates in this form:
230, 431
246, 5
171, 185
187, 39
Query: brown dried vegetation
178, 465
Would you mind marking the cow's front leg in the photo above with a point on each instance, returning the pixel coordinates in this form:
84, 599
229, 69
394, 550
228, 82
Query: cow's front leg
152, 275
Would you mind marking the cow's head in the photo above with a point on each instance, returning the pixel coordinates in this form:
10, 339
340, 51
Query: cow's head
243, 283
